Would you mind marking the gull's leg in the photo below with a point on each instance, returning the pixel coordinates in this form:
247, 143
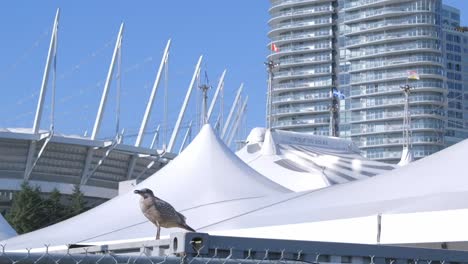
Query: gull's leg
158, 232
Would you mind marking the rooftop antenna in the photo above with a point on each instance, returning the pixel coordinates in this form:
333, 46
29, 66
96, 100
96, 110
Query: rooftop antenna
97, 123
149, 106
175, 132
51, 56
204, 88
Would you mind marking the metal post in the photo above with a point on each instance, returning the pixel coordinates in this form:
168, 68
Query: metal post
204, 88
270, 66
215, 96
45, 77
333, 114
149, 106
233, 107
170, 146
100, 112
406, 118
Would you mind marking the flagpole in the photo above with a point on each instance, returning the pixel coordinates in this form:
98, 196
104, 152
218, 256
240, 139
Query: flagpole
270, 66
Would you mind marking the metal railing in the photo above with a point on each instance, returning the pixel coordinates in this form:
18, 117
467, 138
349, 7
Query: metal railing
200, 248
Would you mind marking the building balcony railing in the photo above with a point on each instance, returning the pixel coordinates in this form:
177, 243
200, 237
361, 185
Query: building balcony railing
318, 34
301, 85
300, 97
315, 10
382, 12
429, 99
399, 141
384, 25
304, 60
397, 115
432, 126
292, 24
349, 5
423, 85
314, 72
392, 63
317, 109
359, 79
300, 122
278, 3
386, 37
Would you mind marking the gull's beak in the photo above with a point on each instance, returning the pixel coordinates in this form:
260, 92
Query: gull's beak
136, 191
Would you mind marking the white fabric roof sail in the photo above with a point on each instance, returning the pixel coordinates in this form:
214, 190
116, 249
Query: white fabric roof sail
206, 172
424, 201
6, 231
302, 161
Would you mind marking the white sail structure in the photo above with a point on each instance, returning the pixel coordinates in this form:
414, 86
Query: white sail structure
6, 231
205, 173
302, 161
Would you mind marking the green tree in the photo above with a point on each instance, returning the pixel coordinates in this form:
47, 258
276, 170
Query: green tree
27, 210
55, 211
77, 202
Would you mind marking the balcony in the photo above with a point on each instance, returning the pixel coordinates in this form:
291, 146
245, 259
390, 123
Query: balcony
304, 60
305, 12
301, 98
315, 109
421, 99
280, 28
278, 4
316, 35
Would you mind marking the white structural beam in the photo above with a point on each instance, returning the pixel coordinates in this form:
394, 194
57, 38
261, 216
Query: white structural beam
149, 106
189, 130
231, 112
97, 123
175, 132
45, 77
237, 121
215, 97
155, 138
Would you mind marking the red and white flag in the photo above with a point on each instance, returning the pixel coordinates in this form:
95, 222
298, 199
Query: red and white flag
274, 48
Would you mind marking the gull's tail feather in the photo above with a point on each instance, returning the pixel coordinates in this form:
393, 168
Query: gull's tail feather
187, 227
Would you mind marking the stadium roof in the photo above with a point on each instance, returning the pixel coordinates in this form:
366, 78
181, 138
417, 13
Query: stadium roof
205, 173
302, 162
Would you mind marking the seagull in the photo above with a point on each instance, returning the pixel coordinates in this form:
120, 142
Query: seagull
160, 212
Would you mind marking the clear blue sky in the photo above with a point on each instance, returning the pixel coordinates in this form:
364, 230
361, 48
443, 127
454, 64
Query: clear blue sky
230, 34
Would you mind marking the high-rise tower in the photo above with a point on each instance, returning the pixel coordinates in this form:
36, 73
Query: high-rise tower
366, 49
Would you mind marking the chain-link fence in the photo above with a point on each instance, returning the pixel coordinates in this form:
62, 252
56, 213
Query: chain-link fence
198, 248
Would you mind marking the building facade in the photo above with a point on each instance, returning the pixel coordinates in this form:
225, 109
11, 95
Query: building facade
376, 43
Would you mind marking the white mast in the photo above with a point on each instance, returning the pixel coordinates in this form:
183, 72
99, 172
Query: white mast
149, 106
170, 146
189, 131
237, 120
233, 107
97, 123
215, 97
45, 77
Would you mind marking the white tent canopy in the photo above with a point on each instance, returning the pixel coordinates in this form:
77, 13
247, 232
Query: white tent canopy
6, 231
207, 172
424, 201
301, 161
